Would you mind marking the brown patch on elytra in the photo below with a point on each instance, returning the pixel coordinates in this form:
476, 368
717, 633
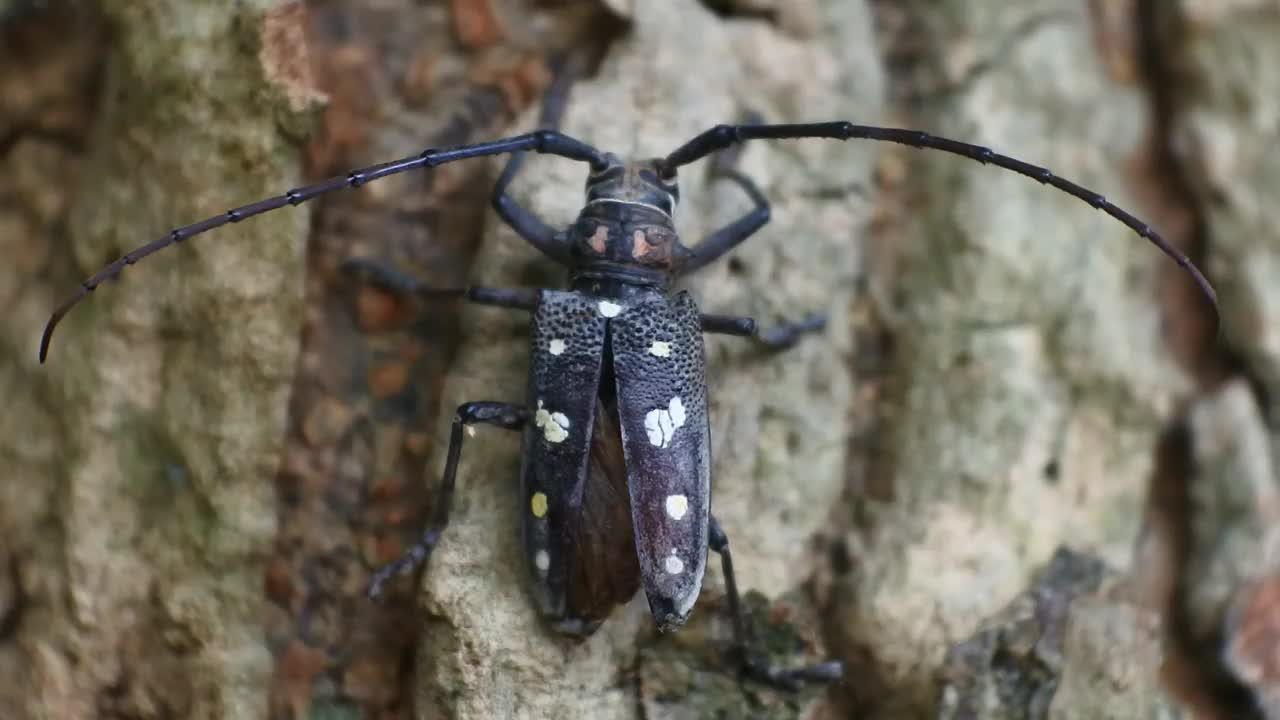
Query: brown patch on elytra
600, 239
639, 245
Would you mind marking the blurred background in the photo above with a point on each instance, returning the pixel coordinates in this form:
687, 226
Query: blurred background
1018, 476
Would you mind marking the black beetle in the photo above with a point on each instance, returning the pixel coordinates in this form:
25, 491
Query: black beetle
616, 476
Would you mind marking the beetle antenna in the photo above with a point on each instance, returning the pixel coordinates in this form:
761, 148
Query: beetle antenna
542, 141
721, 137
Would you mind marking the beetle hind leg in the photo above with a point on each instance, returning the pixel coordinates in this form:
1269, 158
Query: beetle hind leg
750, 662
503, 415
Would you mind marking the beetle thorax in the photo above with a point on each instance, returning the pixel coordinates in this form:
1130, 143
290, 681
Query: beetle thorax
626, 221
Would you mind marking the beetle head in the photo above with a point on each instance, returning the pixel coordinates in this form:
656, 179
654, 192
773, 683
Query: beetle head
627, 218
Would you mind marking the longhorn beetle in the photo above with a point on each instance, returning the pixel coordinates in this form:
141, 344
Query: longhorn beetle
616, 478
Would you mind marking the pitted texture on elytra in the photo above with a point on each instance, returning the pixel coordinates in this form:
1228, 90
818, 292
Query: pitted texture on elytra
676, 329
566, 353
662, 406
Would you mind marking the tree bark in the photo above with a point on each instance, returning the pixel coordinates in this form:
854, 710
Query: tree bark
227, 442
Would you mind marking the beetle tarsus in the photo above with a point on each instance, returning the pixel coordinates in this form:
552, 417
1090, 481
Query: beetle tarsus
777, 338
791, 679
788, 334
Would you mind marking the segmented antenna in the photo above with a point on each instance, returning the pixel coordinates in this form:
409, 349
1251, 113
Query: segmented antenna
541, 141
721, 137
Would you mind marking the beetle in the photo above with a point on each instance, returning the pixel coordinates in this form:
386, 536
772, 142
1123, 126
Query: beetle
616, 475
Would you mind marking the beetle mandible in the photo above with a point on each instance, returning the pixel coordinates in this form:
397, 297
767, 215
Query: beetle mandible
616, 433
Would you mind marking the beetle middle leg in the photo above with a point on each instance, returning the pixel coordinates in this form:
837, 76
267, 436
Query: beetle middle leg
775, 338
503, 415
752, 664
406, 287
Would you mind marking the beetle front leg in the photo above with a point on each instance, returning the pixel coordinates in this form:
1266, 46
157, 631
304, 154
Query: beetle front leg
503, 415
717, 244
751, 663
537, 233
776, 338
407, 287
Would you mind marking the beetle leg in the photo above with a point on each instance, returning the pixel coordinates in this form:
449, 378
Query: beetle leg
542, 236
776, 338
715, 245
503, 415
546, 239
753, 664
405, 286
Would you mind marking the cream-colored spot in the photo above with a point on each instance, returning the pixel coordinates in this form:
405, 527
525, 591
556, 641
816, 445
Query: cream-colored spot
660, 349
661, 423
556, 346
555, 426
542, 560
471, 432
538, 504
673, 564
677, 506
609, 309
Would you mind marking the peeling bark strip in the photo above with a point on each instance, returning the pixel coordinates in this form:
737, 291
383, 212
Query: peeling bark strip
365, 406
286, 57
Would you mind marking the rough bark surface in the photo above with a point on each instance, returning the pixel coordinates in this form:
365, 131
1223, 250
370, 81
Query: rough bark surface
1029, 380
1226, 58
135, 511
228, 440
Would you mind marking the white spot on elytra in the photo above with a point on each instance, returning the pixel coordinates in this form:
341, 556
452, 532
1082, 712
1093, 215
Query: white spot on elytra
609, 309
541, 560
555, 426
677, 506
673, 564
660, 349
661, 423
676, 407
556, 346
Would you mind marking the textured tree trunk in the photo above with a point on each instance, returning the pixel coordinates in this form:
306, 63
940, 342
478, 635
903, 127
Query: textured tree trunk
225, 443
